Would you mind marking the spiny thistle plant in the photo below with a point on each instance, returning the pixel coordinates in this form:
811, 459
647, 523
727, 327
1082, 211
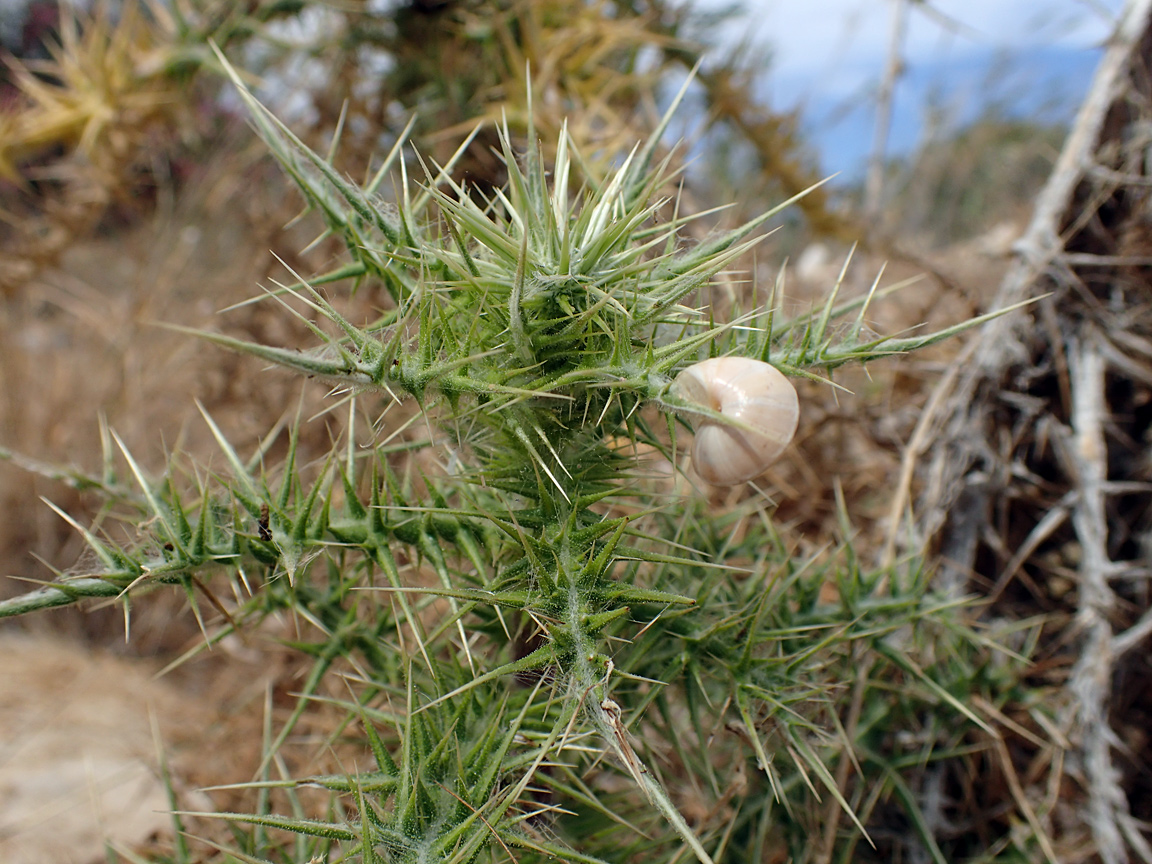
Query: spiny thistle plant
98, 93
549, 654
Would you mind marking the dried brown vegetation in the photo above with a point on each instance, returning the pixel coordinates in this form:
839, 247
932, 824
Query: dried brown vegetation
1037, 485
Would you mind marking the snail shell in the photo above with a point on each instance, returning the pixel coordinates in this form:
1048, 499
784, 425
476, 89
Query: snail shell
750, 392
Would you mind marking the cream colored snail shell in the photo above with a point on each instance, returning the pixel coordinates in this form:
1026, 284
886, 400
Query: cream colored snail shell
754, 394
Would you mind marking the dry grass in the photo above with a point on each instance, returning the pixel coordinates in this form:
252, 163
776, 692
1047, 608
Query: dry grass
82, 340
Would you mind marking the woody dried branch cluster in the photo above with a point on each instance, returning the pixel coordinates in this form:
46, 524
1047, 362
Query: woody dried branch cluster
1038, 487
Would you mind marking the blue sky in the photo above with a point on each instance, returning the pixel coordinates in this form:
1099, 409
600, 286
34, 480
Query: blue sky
1032, 57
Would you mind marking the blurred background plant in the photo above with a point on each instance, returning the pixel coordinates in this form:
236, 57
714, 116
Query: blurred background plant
118, 100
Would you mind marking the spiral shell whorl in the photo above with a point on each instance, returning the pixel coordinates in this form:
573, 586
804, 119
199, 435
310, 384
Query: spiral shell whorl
751, 392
